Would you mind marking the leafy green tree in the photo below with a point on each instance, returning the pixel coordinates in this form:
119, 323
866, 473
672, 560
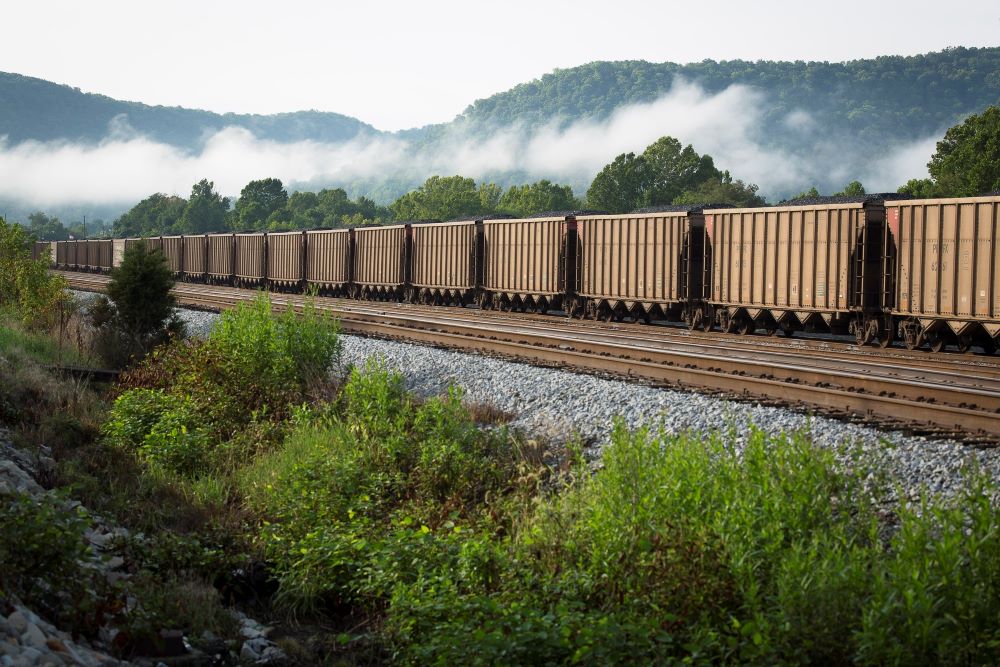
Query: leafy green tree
26, 287
155, 215
673, 169
258, 200
445, 198
327, 208
620, 186
967, 161
811, 193
46, 228
205, 211
141, 311
921, 188
667, 173
722, 189
490, 195
852, 189
537, 197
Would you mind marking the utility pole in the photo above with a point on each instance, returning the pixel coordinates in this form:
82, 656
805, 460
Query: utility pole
84, 226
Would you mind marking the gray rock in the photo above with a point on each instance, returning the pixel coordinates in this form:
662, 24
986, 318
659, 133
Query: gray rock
51, 660
18, 622
272, 655
15, 480
247, 654
258, 644
34, 637
31, 653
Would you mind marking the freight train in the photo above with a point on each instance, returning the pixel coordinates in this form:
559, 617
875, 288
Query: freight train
879, 267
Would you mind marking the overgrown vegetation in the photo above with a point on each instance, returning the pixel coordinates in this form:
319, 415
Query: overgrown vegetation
27, 291
416, 536
375, 490
198, 408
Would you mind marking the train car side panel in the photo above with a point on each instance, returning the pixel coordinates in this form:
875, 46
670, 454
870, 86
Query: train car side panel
71, 254
947, 288
194, 253
328, 258
380, 264
284, 258
220, 257
173, 250
781, 266
444, 260
523, 259
249, 268
101, 257
637, 264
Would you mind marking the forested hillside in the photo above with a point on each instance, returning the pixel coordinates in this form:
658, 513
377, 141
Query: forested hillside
882, 99
44, 111
879, 100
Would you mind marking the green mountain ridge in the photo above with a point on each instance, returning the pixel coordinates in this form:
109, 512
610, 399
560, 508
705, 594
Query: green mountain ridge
888, 98
39, 110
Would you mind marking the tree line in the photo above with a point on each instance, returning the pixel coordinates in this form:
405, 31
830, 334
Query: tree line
966, 163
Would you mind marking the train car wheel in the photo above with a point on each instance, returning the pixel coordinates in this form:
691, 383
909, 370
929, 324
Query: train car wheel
862, 334
885, 339
912, 338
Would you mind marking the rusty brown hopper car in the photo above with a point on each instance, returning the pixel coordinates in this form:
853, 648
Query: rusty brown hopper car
284, 258
249, 268
39, 249
173, 250
194, 249
797, 267
643, 264
99, 255
947, 271
220, 257
381, 261
328, 259
117, 252
76, 257
525, 263
446, 260
92, 252
62, 254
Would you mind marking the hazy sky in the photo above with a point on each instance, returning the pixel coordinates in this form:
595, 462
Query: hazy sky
398, 64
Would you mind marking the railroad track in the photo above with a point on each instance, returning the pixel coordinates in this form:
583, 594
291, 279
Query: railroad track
957, 396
